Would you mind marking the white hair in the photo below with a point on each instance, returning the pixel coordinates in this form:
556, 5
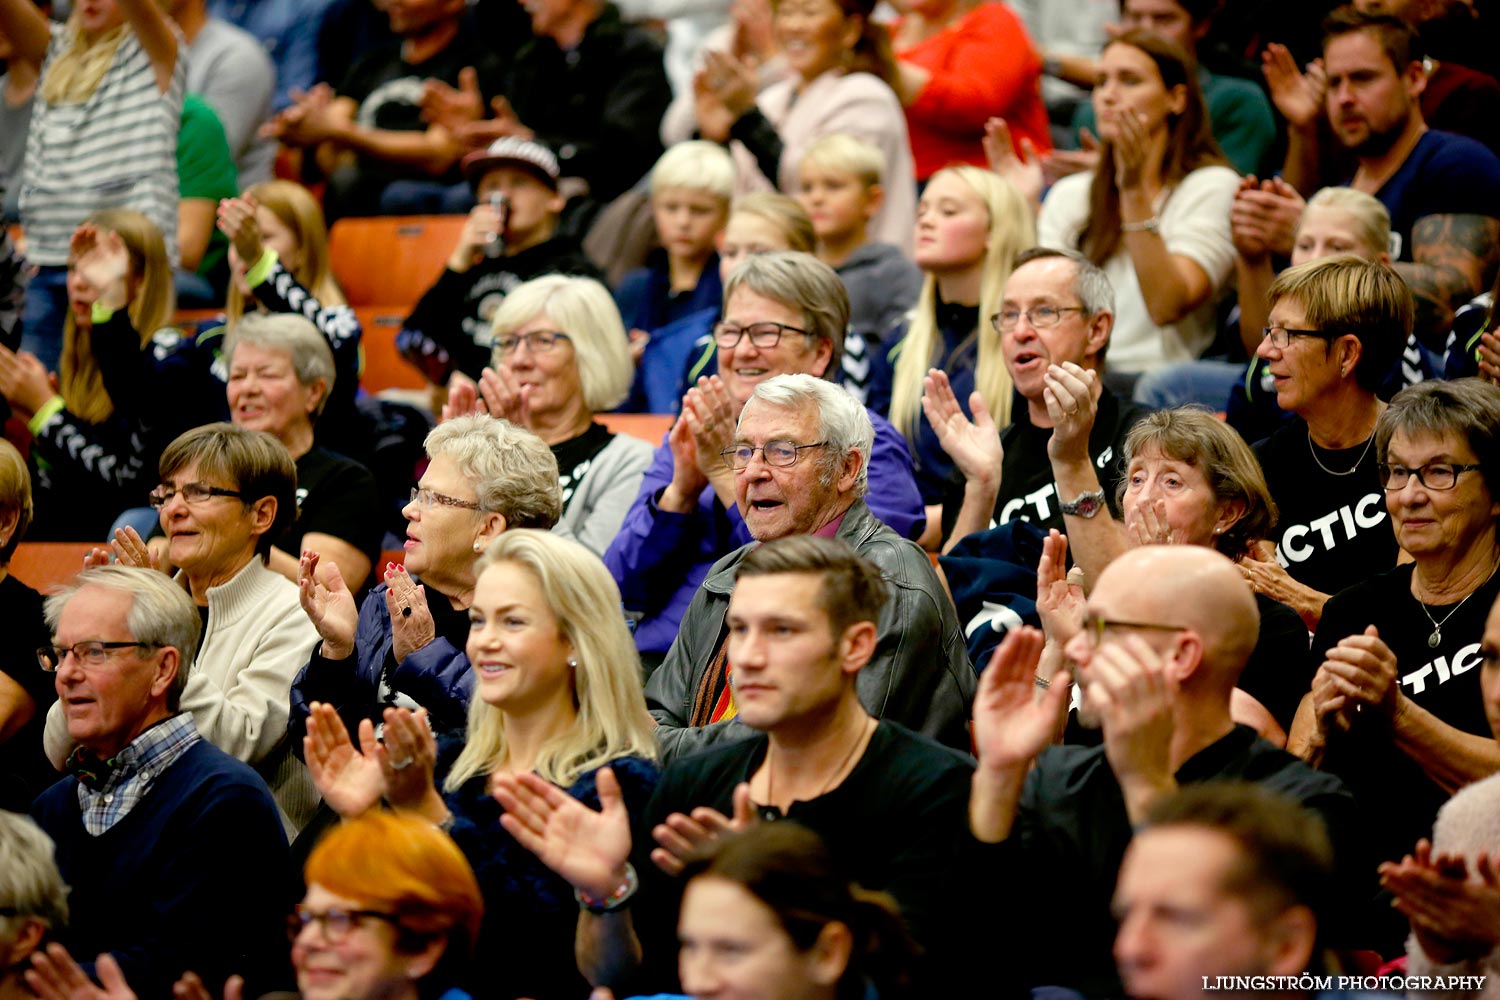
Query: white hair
843, 423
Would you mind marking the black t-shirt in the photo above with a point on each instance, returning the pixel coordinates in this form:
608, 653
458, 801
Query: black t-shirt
450, 327
893, 824
1443, 680
1276, 674
388, 89
1027, 491
575, 457
24, 770
1444, 174
335, 496
1333, 530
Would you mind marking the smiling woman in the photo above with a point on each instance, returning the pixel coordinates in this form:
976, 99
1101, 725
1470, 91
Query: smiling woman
1396, 703
224, 494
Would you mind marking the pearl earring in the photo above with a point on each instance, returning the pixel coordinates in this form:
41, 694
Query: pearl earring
478, 548
572, 663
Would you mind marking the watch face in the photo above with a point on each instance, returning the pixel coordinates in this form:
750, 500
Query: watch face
1087, 506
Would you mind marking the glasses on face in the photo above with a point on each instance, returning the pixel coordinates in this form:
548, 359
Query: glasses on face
767, 334
1094, 627
191, 493
1280, 336
334, 923
92, 653
1040, 317
425, 498
537, 341
778, 453
1435, 476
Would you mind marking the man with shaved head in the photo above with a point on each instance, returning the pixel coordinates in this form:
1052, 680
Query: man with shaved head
1166, 631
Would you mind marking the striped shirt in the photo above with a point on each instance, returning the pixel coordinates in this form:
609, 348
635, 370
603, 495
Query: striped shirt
118, 149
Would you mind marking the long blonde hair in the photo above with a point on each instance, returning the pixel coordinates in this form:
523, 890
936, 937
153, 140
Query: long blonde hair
612, 717
152, 301
79, 69
298, 210
1012, 230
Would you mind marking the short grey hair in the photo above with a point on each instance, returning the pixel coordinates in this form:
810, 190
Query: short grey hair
803, 282
312, 358
161, 613
30, 884
512, 470
1090, 283
584, 310
1468, 408
842, 422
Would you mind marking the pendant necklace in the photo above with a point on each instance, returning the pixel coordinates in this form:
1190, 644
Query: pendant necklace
1347, 472
770, 812
1436, 638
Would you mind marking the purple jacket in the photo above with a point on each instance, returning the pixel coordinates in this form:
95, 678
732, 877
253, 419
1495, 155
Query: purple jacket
659, 559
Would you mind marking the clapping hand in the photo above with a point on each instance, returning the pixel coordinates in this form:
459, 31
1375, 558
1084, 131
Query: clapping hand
1011, 725
1062, 163
1024, 171
1071, 394
54, 975
1454, 908
412, 626
1131, 144
329, 605
351, 781
588, 849
1131, 693
1297, 95
1363, 669
409, 759
974, 445
99, 268
24, 381
1059, 592
237, 221
682, 835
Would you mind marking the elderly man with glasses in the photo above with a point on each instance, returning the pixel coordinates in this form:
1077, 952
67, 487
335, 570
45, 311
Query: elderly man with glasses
173, 848
1054, 323
1167, 630
799, 458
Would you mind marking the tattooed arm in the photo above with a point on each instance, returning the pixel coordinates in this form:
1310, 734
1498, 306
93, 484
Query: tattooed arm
1453, 260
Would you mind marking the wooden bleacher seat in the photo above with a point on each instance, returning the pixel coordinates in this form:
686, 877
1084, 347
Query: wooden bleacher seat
391, 261
649, 427
44, 565
384, 368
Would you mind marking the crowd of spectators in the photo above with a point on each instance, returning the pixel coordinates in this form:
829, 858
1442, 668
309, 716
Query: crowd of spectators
938, 498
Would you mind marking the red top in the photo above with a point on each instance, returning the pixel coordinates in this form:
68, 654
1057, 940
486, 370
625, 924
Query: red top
983, 65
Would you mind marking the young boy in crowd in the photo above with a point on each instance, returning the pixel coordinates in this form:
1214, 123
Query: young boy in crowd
691, 187
510, 238
839, 183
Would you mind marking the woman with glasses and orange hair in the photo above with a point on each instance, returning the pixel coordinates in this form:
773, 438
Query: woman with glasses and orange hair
405, 645
1396, 708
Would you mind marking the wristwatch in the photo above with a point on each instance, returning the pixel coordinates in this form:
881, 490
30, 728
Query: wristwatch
1085, 505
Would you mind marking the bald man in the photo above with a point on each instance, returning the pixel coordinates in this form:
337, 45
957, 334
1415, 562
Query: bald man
1166, 632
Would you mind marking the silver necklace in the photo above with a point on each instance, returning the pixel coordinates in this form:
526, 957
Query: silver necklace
1436, 638
1347, 472
769, 810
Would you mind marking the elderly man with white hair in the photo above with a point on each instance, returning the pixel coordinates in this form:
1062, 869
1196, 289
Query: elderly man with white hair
800, 460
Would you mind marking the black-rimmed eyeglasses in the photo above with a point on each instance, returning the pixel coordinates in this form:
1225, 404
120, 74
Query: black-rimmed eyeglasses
1280, 336
191, 493
767, 334
1434, 476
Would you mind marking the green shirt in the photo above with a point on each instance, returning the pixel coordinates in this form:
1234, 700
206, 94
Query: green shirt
205, 169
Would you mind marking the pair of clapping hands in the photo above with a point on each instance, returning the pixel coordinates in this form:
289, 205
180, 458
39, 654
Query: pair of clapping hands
1453, 906
590, 849
54, 975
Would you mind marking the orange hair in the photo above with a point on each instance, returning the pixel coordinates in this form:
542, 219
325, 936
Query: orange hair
404, 864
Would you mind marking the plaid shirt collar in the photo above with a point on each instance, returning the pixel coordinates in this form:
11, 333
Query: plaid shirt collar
133, 771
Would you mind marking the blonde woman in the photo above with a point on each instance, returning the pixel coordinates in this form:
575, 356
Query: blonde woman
98, 438
103, 135
971, 225
558, 693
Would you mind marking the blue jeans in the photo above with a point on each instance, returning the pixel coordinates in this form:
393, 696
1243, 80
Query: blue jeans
44, 314
1208, 383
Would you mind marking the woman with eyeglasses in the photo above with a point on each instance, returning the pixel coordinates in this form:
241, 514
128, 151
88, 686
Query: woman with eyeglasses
1336, 327
557, 693
560, 357
784, 313
225, 493
405, 646
392, 912
1396, 708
